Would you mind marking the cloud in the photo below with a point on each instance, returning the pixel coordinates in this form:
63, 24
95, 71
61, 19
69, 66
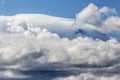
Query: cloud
42, 48
112, 23
88, 76
9, 74
23, 43
102, 19
35, 43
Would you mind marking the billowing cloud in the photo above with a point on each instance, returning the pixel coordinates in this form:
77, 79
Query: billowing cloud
103, 19
40, 47
89, 77
40, 42
11, 74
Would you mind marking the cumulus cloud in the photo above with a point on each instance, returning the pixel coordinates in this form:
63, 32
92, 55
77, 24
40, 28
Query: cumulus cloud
103, 19
112, 23
49, 47
24, 51
87, 76
9, 74
29, 43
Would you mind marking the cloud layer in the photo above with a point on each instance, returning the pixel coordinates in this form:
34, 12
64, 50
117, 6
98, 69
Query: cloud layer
89, 77
34, 48
34, 42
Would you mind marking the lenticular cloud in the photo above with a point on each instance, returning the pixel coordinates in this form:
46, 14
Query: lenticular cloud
41, 42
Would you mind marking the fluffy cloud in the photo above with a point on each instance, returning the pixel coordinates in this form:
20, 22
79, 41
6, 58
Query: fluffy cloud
23, 51
103, 19
88, 76
11, 74
29, 43
112, 23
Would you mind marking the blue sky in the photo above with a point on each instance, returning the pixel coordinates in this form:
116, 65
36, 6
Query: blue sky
61, 8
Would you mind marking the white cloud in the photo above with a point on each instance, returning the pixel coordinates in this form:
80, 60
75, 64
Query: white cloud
27, 41
38, 50
11, 74
34, 42
103, 19
112, 23
87, 76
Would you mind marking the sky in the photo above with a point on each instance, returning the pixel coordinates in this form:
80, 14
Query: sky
36, 47
61, 8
